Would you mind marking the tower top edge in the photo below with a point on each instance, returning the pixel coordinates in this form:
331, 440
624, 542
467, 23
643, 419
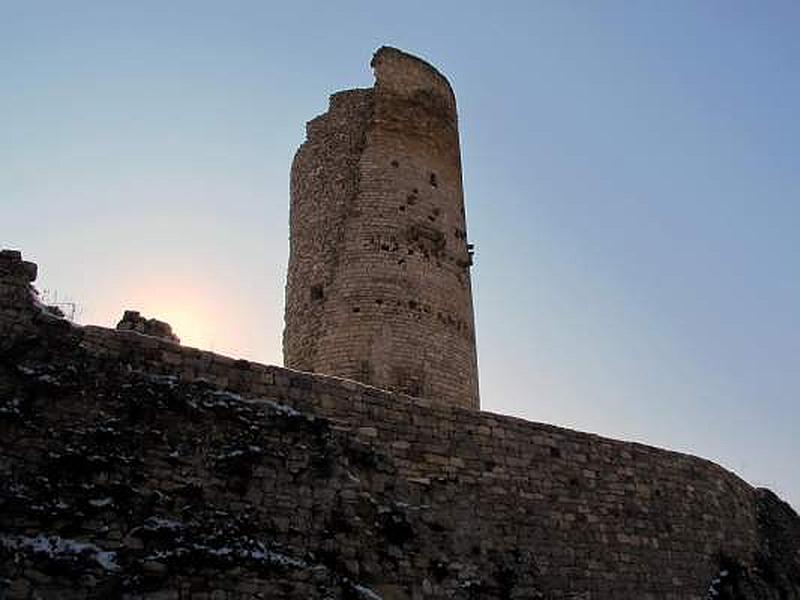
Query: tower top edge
388, 55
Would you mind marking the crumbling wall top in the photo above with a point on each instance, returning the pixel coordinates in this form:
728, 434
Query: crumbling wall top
132, 320
12, 266
403, 74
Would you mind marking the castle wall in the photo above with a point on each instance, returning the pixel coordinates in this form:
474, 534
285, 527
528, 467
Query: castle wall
567, 514
622, 520
379, 287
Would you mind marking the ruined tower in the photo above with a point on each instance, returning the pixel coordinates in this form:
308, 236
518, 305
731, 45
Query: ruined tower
378, 286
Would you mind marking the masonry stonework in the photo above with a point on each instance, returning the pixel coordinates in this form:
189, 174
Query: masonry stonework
378, 286
133, 467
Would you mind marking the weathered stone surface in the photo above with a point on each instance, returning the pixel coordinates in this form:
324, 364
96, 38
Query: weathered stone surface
123, 474
13, 267
133, 321
378, 286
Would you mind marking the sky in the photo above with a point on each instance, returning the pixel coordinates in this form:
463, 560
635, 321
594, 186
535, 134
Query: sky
631, 174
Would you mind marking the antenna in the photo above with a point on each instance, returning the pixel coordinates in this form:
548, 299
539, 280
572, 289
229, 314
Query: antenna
67, 309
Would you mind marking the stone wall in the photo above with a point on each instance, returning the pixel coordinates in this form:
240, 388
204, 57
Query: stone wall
378, 283
132, 320
347, 490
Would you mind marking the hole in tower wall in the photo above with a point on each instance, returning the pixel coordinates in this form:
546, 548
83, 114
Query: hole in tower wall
395, 164
413, 389
317, 293
365, 372
433, 180
356, 309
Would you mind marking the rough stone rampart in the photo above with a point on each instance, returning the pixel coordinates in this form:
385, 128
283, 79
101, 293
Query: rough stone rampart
437, 501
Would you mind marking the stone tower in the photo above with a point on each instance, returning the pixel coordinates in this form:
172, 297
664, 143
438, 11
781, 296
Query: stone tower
378, 286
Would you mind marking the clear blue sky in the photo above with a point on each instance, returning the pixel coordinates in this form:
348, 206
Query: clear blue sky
632, 176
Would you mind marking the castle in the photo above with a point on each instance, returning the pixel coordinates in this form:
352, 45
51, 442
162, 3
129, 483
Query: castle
134, 467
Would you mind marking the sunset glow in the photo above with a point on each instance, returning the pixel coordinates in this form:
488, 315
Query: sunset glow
189, 309
200, 314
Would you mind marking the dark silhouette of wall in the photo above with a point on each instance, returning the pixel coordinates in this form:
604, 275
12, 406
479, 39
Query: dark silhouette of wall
132, 465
